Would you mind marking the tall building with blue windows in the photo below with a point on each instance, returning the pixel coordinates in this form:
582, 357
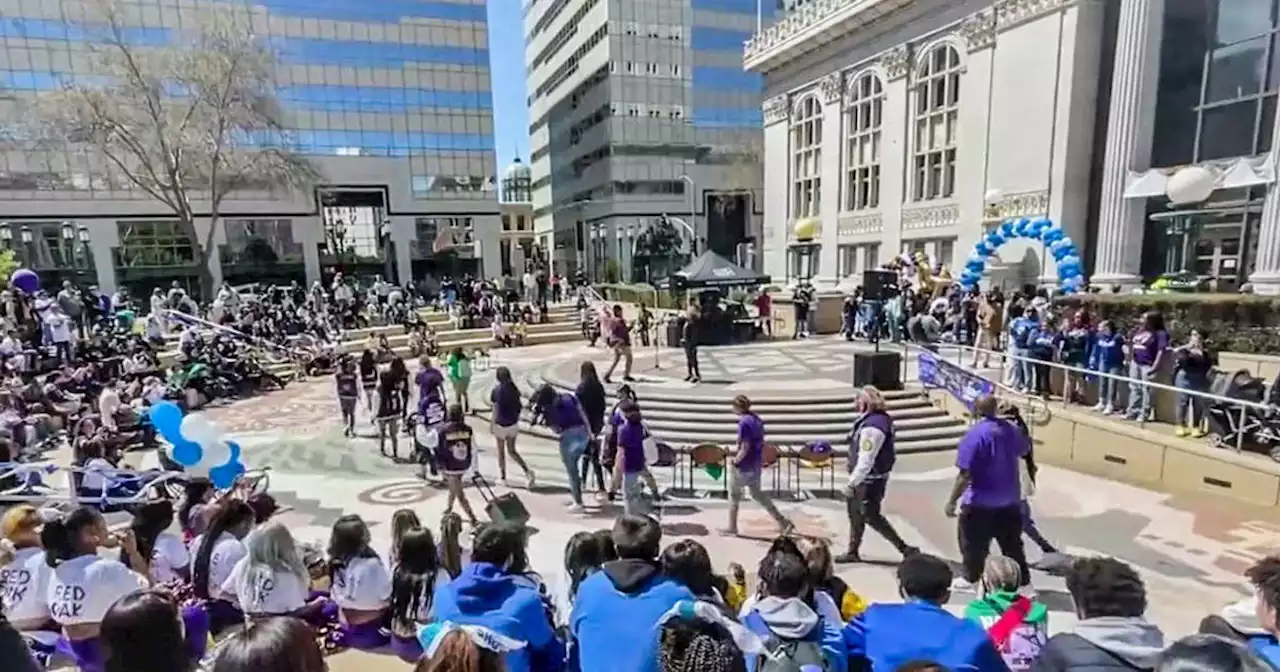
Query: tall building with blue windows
392, 99
639, 109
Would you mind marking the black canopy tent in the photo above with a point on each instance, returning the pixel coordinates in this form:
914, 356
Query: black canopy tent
712, 271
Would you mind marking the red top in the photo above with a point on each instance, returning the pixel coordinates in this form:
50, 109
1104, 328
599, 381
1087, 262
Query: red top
764, 304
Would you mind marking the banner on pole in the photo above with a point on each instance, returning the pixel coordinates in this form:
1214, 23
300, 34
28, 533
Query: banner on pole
964, 385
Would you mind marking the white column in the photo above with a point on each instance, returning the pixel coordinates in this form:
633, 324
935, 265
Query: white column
213, 255
893, 65
1131, 118
403, 234
829, 212
777, 210
1266, 268
104, 236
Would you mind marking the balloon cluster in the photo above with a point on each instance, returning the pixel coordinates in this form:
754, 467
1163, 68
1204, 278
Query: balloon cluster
198, 444
1060, 245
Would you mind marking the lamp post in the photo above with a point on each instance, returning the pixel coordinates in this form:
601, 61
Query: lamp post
693, 213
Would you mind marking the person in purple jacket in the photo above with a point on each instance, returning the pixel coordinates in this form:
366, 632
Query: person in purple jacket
562, 413
1147, 347
745, 466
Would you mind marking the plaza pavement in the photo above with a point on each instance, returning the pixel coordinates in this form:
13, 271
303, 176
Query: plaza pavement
1190, 550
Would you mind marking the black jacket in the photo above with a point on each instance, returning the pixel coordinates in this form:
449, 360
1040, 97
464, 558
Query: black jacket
1067, 652
594, 404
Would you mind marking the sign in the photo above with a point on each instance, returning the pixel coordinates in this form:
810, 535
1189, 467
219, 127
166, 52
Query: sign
964, 385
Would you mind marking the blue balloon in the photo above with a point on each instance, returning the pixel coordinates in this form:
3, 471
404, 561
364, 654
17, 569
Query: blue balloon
995, 239
977, 256
1052, 236
225, 476
1021, 227
1069, 260
974, 266
166, 417
982, 248
186, 453
235, 451
1007, 227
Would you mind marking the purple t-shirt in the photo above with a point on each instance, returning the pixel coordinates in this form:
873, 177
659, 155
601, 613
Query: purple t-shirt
631, 445
990, 451
429, 383
751, 432
506, 405
564, 413
1147, 345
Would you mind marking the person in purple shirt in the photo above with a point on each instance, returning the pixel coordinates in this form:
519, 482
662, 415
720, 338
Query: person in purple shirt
431, 411
988, 491
745, 466
563, 414
1146, 350
631, 458
507, 404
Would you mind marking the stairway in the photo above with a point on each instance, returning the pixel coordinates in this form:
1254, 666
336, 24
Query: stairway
683, 417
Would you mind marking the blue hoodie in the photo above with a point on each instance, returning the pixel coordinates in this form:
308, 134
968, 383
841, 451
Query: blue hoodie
615, 614
485, 595
792, 619
888, 635
1107, 352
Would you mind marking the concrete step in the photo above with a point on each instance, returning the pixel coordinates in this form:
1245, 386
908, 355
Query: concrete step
654, 409
447, 337
695, 422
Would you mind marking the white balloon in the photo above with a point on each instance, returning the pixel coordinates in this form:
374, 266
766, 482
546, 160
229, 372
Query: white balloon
216, 454
198, 429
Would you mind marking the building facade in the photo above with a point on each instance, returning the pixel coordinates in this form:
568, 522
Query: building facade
518, 245
915, 125
392, 100
639, 109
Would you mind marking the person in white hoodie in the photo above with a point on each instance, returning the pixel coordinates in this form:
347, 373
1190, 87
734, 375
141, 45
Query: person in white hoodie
1113, 634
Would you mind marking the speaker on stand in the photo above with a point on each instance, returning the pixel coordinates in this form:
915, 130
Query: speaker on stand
880, 369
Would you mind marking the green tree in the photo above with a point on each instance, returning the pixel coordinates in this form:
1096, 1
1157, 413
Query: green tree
187, 123
8, 264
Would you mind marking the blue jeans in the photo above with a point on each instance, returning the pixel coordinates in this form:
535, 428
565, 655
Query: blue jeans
573, 443
1139, 393
1107, 387
1189, 408
633, 503
1023, 375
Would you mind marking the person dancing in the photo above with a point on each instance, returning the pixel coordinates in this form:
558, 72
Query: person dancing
872, 443
390, 410
564, 415
431, 414
745, 467
507, 404
348, 387
455, 454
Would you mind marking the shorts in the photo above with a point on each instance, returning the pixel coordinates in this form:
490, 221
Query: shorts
392, 423
347, 404
508, 432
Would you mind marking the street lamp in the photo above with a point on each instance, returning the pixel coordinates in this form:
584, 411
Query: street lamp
693, 212
26, 235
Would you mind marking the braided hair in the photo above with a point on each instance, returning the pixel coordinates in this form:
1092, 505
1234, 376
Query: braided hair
697, 646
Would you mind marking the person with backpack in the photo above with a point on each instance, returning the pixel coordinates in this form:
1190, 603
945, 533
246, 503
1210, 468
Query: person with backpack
1018, 625
887, 636
1021, 325
796, 638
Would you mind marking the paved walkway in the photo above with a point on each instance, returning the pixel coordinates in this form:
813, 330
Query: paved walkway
1190, 550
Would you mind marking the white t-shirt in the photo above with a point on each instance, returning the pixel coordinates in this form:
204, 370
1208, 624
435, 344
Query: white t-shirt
96, 472
364, 584
82, 589
59, 328
263, 591
227, 551
170, 554
24, 586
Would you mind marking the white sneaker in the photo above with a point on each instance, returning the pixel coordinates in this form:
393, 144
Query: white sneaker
1099, 407
959, 584
1107, 410
575, 507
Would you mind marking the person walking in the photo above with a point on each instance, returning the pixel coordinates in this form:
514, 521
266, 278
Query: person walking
745, 467
507, 403
460, 378
619, 340
689, 335
872, 443
987, 492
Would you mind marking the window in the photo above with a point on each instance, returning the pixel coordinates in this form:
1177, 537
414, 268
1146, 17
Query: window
506, 222
155, 244
846, 260
862, 143
937, 100
260, 241
873, 257
1239, 80
806, 152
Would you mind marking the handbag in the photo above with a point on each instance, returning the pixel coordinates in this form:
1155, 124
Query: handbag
650, 446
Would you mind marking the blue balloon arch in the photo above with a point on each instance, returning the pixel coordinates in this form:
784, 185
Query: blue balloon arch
1059, 244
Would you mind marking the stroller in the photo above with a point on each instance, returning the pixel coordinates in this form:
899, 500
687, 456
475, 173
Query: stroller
1255, 430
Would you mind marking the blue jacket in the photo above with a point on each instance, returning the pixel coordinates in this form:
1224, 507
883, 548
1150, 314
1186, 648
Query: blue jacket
484, 595
1107, 352
888, 635
792, 619
1021, 330
615, 613
1267, 648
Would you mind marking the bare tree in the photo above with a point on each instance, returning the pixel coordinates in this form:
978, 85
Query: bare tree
188, 123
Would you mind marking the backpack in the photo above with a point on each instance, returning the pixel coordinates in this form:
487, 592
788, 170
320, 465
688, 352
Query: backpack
788, 655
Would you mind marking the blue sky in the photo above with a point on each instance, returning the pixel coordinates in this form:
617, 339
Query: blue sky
506, 55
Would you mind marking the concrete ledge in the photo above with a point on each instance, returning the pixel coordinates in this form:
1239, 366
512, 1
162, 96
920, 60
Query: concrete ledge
1126, 452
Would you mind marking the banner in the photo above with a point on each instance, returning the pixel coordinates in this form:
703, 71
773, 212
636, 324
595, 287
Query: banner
964, 385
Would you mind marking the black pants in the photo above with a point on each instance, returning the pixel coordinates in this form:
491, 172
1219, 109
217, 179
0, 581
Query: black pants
979, 527
591, 461
691, 361
865, 511
1040, 370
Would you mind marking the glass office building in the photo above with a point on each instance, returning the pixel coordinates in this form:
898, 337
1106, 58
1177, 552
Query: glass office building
391, 98
639, 109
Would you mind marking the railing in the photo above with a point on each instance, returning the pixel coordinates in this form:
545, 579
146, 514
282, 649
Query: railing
1242, 406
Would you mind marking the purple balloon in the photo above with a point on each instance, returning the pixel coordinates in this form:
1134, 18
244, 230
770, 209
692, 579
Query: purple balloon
820, 447
26, 280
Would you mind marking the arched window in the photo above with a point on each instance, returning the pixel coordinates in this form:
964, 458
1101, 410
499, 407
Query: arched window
937, 99
806, 157
862, 143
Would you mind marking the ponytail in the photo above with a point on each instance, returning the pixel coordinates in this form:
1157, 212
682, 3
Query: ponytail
59, 537
152, 519
232, 512
196, 490
450, 546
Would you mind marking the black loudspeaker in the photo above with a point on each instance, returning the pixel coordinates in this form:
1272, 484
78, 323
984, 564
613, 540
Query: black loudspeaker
879, 285
880, 369
504, 508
